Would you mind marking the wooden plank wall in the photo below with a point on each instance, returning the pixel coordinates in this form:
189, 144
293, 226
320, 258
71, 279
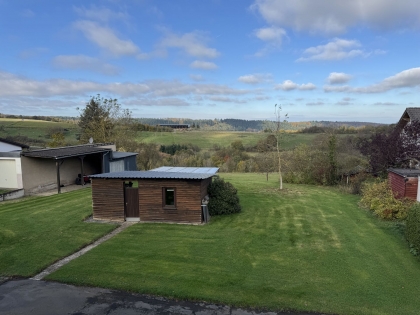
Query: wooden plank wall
108, 199
411, 188
397, 184
188, 201
402, 188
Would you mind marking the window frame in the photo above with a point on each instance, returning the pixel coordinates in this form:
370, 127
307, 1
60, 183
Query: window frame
164, 205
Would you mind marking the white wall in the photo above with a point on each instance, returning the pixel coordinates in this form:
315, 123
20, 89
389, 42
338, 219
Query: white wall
11, 173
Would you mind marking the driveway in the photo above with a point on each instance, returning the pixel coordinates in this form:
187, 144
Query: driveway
43, 298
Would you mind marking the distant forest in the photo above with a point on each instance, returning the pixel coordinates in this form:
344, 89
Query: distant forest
254, 125
227, 124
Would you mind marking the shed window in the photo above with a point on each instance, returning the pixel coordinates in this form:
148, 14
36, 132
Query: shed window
169, 199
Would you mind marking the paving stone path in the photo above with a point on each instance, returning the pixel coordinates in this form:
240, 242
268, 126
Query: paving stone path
84, 250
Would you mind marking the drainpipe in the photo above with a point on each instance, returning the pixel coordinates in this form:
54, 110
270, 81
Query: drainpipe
103, 161
82, 177
57, 165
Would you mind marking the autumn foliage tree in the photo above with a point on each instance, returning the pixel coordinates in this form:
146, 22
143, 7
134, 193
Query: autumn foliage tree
104, 120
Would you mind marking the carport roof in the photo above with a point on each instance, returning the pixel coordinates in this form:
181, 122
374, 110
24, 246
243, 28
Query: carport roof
65, 152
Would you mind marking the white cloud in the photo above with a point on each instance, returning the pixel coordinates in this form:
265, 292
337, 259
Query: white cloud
197, 77
345, 101
405, 79
338, 78
273, 36
204, 65
307, 87
337, 49
173, 102
270, 34
226, 99
105, 38
100, 13
82, 62
289, 85
315, 104
386, 104
336, 17
32, 52
17, 86
193, 44
256, 78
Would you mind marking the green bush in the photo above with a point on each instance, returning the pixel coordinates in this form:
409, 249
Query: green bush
379, 198
412, 231
223, 197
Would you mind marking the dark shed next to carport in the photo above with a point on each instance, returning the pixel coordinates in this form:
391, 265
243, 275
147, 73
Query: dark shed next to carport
165, 194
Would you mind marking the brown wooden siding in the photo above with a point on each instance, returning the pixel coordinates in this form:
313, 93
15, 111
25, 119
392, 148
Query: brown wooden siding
188, 201
397, 184
411, 188
402, 188
108, 199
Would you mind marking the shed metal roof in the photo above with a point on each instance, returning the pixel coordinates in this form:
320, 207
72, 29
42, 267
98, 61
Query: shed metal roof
65, 152
195, 170
152, 175
121, 155
406, 172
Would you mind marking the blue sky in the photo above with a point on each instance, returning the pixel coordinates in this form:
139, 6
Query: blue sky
334, 60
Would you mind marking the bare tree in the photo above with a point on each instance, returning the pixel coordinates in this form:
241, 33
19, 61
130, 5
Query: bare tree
279, 137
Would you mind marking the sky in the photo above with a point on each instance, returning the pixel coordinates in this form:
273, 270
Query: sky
346, 60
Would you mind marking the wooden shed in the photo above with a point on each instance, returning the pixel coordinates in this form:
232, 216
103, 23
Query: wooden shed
165, 194
404, 182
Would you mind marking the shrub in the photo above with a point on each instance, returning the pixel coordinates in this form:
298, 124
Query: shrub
412, 231
379, 198
223, 197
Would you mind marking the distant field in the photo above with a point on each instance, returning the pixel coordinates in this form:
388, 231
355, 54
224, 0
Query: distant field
35, 129
207, 139
38, 129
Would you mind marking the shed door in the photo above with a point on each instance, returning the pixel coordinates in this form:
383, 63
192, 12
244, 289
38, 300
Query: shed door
131, 202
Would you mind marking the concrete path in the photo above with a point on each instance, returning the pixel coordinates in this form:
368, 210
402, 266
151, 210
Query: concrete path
28, 297
84, 250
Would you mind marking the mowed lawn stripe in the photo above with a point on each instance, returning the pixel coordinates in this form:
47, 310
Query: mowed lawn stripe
37, 231
306, 248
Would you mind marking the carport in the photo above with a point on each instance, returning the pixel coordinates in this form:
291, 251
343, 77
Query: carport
38, 165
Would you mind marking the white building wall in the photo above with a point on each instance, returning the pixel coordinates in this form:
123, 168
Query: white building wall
11, 173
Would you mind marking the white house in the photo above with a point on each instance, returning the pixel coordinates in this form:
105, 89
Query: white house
10, 164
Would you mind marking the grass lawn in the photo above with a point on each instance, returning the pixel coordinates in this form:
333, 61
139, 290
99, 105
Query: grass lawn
306, 248
37, 231
207, 139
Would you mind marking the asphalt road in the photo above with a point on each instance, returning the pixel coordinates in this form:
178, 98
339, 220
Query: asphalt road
31, 297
